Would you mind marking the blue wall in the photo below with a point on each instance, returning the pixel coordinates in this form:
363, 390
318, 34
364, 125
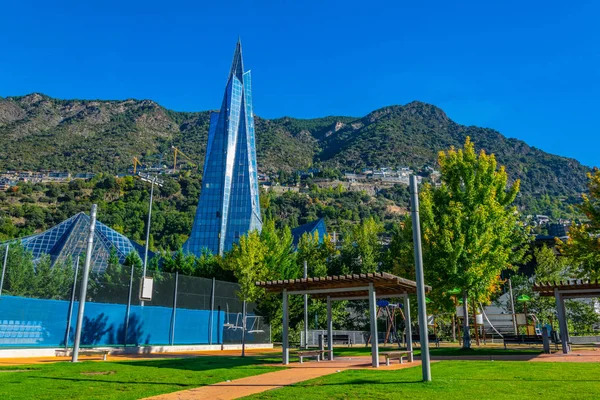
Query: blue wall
26, 322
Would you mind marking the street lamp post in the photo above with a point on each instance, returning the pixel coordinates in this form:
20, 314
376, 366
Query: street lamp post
153, 181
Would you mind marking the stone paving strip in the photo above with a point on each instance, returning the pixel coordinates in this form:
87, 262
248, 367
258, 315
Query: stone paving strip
272, 380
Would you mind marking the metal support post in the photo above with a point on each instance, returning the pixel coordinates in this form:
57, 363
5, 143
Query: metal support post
329, 329
3, 269
373, 317
285, 340
174, 313
70, 312
218, 324
128, 309
466, 332
212, 311
148, 227
305, 308
244, 328
84, 283
512, 307
407, 323
562, 321
416, 225
148, 233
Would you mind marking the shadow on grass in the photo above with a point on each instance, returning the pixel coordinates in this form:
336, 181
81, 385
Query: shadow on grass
203, 363
183, 385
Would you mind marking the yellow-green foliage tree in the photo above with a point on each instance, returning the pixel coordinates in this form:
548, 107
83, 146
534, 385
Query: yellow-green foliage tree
470, 229
583, 245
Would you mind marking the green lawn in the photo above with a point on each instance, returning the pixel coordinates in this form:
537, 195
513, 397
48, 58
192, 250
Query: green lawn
442, 351
123, 380
453, 380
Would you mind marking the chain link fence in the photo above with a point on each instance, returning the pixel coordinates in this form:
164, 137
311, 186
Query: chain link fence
39, 305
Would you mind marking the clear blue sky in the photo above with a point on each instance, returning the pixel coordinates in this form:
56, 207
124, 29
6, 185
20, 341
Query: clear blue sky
529, 69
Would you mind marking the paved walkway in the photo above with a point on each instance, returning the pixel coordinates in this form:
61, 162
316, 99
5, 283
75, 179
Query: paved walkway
272, 380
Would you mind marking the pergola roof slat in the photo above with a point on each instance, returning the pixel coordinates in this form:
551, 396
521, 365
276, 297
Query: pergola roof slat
570, 288
356, 285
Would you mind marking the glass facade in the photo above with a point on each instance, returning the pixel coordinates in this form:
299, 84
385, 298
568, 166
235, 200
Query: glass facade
69, 239
229, 201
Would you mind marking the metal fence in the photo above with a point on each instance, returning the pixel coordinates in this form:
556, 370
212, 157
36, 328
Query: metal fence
355, 337
38, 308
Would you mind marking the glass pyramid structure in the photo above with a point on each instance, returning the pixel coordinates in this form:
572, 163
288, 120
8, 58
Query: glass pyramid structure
229, 204
69, 239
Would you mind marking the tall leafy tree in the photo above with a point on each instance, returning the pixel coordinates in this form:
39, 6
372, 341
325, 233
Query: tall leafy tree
318, 253
247, 262
280, 258
361, 248
470, 229
583, 245
20, 271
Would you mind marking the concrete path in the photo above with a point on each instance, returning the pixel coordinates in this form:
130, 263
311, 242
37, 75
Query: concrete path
272, 380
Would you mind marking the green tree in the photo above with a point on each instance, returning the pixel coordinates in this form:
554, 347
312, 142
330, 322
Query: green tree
549, 266
280, 258
247, 262
20, 271
361, 250
583, 245
470, 229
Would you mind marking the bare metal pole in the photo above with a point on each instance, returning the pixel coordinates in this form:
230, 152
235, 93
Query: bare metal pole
148, 227
408, 328
425, 363
285, 331
128, 309
512, 307
212, 311
3, 269
466, 332
84, 283
174, 312
70, 312
305, 308
244, 329
148, 233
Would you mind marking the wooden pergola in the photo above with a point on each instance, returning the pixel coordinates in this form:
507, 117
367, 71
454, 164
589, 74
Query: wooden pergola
345, 287
571, 289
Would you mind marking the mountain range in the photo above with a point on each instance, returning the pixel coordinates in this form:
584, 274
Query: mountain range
40, 132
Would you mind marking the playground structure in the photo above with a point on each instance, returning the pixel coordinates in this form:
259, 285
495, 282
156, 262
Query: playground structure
389, 312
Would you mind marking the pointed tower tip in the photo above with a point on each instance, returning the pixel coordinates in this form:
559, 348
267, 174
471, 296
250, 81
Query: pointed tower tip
237, 66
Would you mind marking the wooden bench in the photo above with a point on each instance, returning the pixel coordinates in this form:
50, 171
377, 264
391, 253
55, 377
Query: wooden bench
391, 355
318, 354
431, 338
85, 352
343, 339
522, 339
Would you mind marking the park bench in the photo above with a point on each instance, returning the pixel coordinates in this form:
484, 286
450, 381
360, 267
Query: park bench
431, 338
522, 339
343, 339
318, 354
85, 352
392, 355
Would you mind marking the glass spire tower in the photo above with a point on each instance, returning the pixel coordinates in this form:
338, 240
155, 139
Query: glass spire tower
229, 205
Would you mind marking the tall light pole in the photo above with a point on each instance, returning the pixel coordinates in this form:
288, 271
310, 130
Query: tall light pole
84, 283
305, 308
153, 181
3, 268
421, 300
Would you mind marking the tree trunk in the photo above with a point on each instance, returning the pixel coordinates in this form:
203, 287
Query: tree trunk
466, 333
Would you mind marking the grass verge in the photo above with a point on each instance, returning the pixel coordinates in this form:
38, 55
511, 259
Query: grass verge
123, 380
453, 380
